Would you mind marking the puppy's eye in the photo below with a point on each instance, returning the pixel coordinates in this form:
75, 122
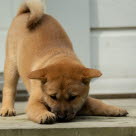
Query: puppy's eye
53, 97
86, 81
71, 98
44, 81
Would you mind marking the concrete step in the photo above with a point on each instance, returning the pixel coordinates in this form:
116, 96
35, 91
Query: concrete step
81, 126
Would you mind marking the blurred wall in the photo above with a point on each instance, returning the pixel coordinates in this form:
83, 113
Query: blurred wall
75, 19
74, 15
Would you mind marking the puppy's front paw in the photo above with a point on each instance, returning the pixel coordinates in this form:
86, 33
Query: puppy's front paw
7, 112
116, 111
45, 117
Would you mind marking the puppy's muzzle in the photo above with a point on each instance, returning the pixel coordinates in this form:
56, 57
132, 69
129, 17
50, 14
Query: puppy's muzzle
64, 116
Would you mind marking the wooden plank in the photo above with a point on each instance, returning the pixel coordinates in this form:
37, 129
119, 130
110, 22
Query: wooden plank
112, 13
114, 96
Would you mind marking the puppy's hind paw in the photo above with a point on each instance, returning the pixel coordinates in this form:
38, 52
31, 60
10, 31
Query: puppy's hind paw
121, 112
6, 112
116, 112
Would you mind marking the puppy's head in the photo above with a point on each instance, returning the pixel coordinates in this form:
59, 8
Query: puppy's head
65, 88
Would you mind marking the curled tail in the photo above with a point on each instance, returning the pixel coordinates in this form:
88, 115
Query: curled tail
36, 10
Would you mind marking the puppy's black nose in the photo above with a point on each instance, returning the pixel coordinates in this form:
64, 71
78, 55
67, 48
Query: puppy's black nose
62, 117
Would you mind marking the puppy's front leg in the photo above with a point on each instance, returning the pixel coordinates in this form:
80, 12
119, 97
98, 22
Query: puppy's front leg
96, 107
39, 113
11, 77
36, 110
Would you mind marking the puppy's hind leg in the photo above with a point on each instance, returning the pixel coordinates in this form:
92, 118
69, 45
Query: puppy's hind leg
95, 107
11, 77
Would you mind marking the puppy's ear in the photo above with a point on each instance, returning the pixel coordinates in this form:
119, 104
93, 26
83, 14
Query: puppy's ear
38, 74
90, 73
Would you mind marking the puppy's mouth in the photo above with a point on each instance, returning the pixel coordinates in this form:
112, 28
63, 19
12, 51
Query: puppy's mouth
65, 118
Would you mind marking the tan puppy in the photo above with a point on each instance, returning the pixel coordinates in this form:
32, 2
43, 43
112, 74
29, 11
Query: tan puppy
40, 52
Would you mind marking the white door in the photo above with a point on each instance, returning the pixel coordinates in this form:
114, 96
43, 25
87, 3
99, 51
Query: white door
110, 45
113, 41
